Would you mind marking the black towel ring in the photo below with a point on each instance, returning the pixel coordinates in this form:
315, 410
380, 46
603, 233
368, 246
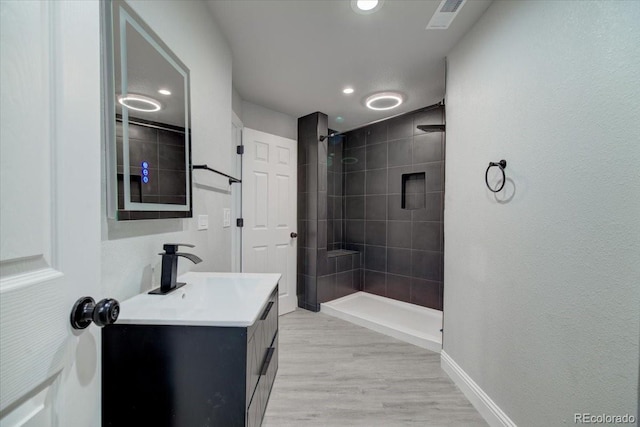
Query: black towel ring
502, 164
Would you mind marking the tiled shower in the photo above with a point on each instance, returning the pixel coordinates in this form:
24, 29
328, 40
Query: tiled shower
378, 197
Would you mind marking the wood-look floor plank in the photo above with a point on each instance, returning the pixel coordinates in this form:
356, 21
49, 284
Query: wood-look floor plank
333, 373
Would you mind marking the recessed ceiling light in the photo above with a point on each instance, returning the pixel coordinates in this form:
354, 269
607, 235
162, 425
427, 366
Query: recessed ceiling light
164, 92
384, 101
347, 90
139, 103
339, 119
364, 7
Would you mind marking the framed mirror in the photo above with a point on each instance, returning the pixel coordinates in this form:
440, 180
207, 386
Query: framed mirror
147, 116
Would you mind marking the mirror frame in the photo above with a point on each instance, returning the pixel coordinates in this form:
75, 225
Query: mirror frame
136, 210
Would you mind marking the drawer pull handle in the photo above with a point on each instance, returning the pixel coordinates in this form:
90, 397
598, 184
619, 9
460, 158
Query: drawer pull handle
267, 310
267, 360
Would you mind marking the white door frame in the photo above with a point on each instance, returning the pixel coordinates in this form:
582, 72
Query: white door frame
236, 195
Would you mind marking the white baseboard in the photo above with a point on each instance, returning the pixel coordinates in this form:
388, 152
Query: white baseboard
491, 412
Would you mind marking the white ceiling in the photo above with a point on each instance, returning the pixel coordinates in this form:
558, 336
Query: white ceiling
297, 56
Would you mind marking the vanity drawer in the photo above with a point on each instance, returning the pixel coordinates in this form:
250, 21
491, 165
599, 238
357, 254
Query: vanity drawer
260, 337
258, 405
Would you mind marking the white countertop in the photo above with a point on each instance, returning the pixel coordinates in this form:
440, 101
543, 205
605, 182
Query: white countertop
208, 299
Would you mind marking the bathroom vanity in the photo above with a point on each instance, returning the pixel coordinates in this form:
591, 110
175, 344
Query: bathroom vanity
203, 355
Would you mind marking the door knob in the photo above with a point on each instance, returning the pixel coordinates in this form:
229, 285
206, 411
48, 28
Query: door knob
293, 234
85, 311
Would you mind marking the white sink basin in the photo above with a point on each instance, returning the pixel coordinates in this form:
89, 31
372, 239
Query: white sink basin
207, 299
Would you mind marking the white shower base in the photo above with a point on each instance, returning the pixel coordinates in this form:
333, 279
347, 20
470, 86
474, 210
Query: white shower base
407, 322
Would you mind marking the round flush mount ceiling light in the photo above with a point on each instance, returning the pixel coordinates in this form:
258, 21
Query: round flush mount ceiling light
365, 7
384, 101
139, 103
164, 92
347, 90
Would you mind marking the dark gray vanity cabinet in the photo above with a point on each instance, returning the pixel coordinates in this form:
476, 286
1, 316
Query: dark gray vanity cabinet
182, 375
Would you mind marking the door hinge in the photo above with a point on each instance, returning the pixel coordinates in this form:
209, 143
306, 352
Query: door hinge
239, 222
240, 149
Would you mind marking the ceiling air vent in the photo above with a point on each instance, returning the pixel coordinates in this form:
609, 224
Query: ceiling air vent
447, 10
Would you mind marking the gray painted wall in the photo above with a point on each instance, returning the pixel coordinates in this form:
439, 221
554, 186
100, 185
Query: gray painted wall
236, 103
130, 261
270, 121
542, 282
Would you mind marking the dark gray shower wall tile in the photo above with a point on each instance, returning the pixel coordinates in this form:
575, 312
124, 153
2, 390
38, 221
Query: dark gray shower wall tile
399, 152
312, 206
354, 159
399, 261
377, 132
356, 280
338, 233
322, 234
375, 208
312, 178
311, 238
432, 117
426, 236
146, 151
355, 260
344, 284
322, 205
432, 210
394, 209
322, 177
326, 288
323, 152
169, 156
354, 232
434, 175
399, 287
310, 290
302, 178
400, 127
394, 179
426, 265
171, 183
399, 234
427, 148
355, 138
338, 208
354, 183
375, 233
302, 153
375, 258
375, 283
376, 181
326, 265
426, 293
330, 233
376, 156
354, 207
310, 258
331, 201
150, 134
343, 263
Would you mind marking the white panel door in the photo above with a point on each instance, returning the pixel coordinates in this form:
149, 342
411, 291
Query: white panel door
49, 211
269, 185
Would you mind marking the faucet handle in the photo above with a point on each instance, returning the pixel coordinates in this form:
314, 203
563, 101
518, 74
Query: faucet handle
171, 248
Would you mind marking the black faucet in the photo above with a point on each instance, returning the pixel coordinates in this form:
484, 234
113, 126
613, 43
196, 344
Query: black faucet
170, 267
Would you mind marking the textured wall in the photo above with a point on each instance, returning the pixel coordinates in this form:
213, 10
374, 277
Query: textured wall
130, 263
542, 290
